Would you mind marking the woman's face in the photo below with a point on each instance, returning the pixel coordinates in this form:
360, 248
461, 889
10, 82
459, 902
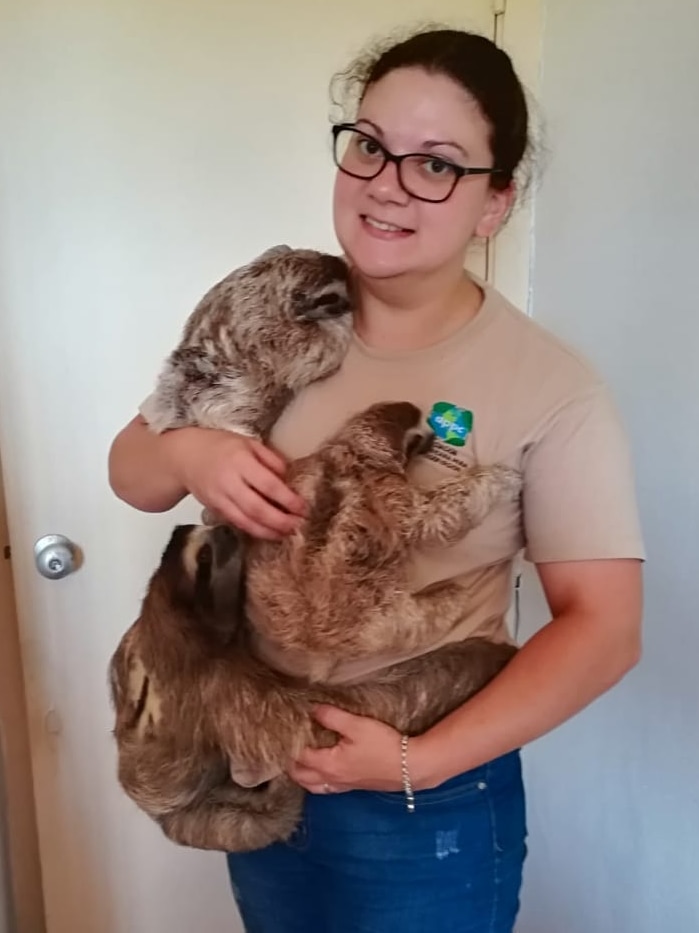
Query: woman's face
385, 231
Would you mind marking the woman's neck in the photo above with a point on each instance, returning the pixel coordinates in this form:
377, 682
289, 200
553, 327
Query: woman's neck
402, 313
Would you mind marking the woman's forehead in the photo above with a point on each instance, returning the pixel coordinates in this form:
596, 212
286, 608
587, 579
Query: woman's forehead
411, 107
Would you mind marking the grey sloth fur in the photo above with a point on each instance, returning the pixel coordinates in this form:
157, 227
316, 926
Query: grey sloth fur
192, 702
265, 331
338, 589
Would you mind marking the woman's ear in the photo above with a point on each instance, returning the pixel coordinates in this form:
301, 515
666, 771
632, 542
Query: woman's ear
497, 207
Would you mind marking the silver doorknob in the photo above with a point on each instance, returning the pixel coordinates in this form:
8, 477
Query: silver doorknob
55, 556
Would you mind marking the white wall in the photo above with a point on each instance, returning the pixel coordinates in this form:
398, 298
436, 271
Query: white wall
614, 795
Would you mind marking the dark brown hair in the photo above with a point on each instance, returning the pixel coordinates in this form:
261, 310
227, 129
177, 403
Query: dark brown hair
472, 61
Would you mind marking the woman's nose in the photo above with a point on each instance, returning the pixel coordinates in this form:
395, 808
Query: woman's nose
386, 186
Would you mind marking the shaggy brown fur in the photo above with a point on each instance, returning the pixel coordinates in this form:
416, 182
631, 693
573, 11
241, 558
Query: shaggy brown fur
338, 589
265, 331
192, 702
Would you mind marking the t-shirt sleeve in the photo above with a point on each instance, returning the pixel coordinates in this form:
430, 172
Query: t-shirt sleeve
145, 406
579, 498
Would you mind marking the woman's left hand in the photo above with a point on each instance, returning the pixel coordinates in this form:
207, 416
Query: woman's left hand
366, 756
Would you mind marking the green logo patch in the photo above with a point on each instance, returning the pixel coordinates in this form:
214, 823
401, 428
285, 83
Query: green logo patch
451, 423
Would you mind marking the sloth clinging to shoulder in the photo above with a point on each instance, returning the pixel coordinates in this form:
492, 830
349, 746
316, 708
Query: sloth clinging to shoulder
253, 341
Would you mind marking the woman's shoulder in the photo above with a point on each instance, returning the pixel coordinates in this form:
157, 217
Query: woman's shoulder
534, 353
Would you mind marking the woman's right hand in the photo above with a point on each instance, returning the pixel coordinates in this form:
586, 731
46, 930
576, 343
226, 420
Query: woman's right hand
238, 478
234, 476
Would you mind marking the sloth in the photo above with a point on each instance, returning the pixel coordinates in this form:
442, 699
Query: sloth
338, 589
194, 705
253, 341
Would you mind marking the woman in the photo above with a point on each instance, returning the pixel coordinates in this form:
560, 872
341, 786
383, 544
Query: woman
427, 164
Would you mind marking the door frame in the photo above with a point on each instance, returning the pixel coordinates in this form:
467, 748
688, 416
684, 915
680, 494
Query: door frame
519, 26
20, 864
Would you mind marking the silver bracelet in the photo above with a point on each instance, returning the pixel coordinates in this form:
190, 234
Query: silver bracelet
407, 786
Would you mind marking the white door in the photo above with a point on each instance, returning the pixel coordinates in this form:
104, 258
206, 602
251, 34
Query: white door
147, 148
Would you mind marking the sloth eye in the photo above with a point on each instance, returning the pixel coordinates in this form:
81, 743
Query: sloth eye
205, 556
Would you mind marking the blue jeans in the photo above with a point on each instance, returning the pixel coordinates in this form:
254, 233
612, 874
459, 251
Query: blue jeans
360, 863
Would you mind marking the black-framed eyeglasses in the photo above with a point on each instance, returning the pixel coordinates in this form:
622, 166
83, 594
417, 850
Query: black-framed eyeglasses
421, 175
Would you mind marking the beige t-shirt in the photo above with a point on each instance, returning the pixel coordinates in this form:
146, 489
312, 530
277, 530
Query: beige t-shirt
502, 389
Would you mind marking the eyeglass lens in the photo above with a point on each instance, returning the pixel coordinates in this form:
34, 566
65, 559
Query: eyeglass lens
424, 176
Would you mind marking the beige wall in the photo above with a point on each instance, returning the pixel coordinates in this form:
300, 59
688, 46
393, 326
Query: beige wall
23, 847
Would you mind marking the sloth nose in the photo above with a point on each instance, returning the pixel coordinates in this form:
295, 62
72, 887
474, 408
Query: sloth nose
426, 441
334, 267
226, 542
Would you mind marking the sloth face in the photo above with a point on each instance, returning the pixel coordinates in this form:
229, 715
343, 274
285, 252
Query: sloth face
308, 285
203, 570
329, 292
396, 427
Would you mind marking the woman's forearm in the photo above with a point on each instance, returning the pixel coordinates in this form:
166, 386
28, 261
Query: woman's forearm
558, 672
142, 467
